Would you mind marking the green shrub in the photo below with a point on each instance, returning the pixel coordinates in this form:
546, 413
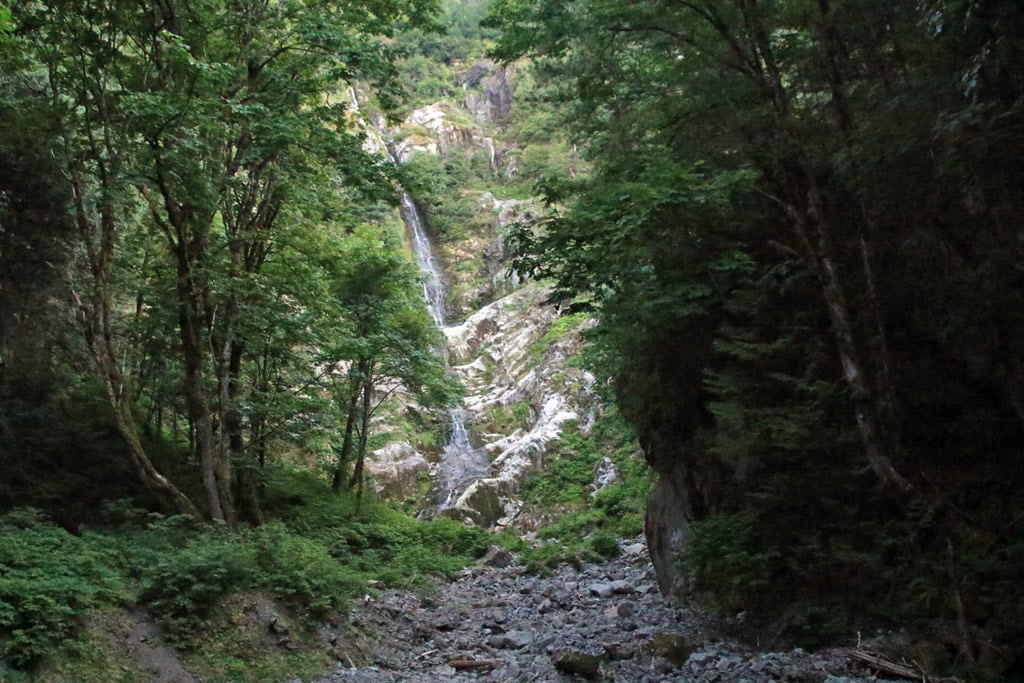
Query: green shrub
574, 525
811, 623
542, 558
301, 570
604, 544
49, 580
721, 562
454, 539
181, 587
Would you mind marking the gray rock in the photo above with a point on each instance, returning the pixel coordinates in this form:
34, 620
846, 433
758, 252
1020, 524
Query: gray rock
578, 662
498, 557
551, 628
635, 549
619, 651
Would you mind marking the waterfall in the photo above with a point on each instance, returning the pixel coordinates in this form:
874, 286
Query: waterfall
460, 462
433, 284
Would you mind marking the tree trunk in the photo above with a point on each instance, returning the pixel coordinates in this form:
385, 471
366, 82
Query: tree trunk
347, 440
869, 412
814, 230
364, 432
150, 477
96, 323
246, 470
189, 326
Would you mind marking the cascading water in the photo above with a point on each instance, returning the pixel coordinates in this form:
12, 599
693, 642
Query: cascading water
461, 463
433, 284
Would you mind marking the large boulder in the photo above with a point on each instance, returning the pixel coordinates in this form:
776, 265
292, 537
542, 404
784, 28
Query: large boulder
482, 498
397, 470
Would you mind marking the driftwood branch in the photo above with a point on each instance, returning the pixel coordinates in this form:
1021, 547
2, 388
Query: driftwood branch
462, 664
901, 669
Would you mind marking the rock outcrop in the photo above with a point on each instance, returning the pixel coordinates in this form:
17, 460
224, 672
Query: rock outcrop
488, 91
397, 470
505, 357
432, 130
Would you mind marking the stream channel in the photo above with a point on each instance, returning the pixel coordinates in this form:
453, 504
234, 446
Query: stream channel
460, 463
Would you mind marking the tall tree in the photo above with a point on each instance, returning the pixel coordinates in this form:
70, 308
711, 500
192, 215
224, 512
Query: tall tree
214, 116
387, 343
794, 233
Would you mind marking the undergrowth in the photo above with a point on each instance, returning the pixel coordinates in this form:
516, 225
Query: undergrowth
316, 551
583, 523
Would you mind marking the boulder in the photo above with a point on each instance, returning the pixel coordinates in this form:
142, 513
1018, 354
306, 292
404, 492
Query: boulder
572, 661
482, 497
397, 470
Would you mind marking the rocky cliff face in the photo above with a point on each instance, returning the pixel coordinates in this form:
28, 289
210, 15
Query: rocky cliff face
508, 350
513, 365
488, 91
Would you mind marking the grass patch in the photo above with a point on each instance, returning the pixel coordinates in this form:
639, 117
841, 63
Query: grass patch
560, 327
238, 650
502, 419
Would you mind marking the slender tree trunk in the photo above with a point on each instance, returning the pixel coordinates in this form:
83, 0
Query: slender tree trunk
349, 436
247, 469
869, 413
812, 224
364, 433
148, 475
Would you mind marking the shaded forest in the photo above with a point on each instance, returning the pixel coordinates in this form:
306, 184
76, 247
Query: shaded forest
797, 223
802, 239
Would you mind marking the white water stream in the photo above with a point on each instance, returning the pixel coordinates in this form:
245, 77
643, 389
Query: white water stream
460, 463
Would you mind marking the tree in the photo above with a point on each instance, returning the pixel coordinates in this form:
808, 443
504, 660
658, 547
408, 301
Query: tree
811, 196
387, 343
213, 117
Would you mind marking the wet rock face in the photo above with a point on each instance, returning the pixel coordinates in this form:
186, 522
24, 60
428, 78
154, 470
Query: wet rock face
479, 504
599, 622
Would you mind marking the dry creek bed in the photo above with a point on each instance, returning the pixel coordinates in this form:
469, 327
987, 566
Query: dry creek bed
606, 622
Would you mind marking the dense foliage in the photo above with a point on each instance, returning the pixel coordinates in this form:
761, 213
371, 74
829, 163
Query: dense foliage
315, 554
194, 236
801, 236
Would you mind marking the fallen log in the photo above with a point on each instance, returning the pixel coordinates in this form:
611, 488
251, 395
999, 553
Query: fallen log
462, 664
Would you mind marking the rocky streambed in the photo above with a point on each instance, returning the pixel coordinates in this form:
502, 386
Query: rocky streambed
603, 621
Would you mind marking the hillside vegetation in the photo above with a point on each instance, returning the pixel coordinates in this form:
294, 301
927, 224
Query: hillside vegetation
788, 232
